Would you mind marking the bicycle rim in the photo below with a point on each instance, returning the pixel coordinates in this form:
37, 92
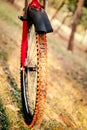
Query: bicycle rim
34, 79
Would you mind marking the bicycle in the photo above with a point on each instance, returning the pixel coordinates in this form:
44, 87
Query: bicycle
34, 61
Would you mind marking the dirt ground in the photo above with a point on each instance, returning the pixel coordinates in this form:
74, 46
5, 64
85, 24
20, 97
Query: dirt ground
66, 106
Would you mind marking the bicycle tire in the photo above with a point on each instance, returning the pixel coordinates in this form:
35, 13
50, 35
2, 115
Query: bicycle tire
37, 65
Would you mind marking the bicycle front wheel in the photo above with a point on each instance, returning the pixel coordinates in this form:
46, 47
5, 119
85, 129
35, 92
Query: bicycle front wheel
34, 79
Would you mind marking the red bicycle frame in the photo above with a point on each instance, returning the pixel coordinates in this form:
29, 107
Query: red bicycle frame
37, 5
42, 26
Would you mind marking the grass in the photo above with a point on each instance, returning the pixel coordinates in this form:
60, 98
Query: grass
4, 122
3, 54
72, 63
51, 126
15, 94
8, 14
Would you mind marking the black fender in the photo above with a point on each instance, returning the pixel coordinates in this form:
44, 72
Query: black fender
40, 20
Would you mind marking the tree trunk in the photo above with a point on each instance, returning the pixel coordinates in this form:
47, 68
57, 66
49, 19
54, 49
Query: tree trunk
12, 1
75, 21
57, 10
25, 8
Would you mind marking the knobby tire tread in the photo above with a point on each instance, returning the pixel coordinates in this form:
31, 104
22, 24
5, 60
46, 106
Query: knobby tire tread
41, 80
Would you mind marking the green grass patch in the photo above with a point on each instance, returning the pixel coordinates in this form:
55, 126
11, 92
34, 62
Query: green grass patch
4, 122
3, 55
15, 92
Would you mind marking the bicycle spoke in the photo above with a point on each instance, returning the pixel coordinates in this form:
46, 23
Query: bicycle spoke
33, 79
